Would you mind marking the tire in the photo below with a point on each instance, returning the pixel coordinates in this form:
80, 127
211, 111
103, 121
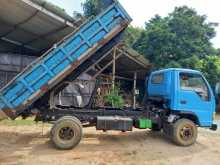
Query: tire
184, 132
66, 133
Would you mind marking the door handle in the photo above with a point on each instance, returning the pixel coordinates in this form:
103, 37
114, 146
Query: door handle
183, 102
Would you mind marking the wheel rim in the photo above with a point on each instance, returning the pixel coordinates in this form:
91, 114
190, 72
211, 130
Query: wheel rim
186, 133
66, 133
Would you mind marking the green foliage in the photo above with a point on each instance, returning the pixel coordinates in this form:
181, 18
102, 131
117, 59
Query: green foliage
22, 122
180, 35
182, 39
210, 66
218, 52
94, 7
132, 34
17, 122
91, 7
114, 99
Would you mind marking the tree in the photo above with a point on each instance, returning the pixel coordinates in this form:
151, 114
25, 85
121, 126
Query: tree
210, 66
177, 39
94, 7
156, 42
91, 7
132, 34
218, 52
181, 39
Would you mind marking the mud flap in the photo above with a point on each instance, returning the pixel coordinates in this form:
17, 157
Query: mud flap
168, 130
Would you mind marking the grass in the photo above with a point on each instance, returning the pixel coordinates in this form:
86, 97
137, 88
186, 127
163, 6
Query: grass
18, 122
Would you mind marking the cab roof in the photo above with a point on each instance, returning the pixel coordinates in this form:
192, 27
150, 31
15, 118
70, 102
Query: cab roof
178, 70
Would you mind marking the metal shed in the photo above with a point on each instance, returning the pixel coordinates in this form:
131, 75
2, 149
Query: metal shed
32, 26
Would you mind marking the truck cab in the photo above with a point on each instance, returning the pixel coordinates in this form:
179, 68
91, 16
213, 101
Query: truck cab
185, 93
186, 101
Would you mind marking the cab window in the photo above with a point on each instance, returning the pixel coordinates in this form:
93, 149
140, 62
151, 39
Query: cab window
157, 78
196, 83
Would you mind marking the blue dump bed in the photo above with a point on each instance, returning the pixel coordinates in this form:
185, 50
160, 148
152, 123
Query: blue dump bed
56, 64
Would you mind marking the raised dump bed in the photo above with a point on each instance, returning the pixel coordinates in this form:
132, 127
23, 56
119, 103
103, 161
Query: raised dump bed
60, 61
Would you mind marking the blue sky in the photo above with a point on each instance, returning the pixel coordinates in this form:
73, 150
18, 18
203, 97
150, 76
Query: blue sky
142, 10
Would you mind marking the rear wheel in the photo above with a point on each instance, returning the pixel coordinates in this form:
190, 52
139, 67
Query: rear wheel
184, 132
66, 133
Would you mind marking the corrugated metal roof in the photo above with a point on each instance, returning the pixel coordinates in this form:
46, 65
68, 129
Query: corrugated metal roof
32, 26
54, 9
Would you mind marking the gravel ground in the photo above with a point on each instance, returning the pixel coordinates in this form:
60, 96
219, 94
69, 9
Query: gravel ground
25, 145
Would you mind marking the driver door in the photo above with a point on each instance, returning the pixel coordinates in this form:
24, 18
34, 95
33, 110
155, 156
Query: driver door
195, 96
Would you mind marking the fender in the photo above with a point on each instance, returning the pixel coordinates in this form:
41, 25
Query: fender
189, 115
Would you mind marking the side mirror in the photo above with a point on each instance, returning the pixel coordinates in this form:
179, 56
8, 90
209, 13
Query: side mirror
217, 89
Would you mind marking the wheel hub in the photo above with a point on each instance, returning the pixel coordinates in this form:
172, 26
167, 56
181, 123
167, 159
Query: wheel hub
66, 133
186, 133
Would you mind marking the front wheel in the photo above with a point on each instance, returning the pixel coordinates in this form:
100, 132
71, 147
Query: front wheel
66, 133
184, 132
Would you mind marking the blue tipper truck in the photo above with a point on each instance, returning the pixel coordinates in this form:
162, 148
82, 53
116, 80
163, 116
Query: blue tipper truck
178, 100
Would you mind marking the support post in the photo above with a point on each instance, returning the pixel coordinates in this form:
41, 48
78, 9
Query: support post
134, 90
106, 66
52, 100
113, 68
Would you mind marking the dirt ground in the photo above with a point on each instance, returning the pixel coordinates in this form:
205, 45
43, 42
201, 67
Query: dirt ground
26, 145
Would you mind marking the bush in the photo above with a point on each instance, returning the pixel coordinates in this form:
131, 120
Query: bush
114, 99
